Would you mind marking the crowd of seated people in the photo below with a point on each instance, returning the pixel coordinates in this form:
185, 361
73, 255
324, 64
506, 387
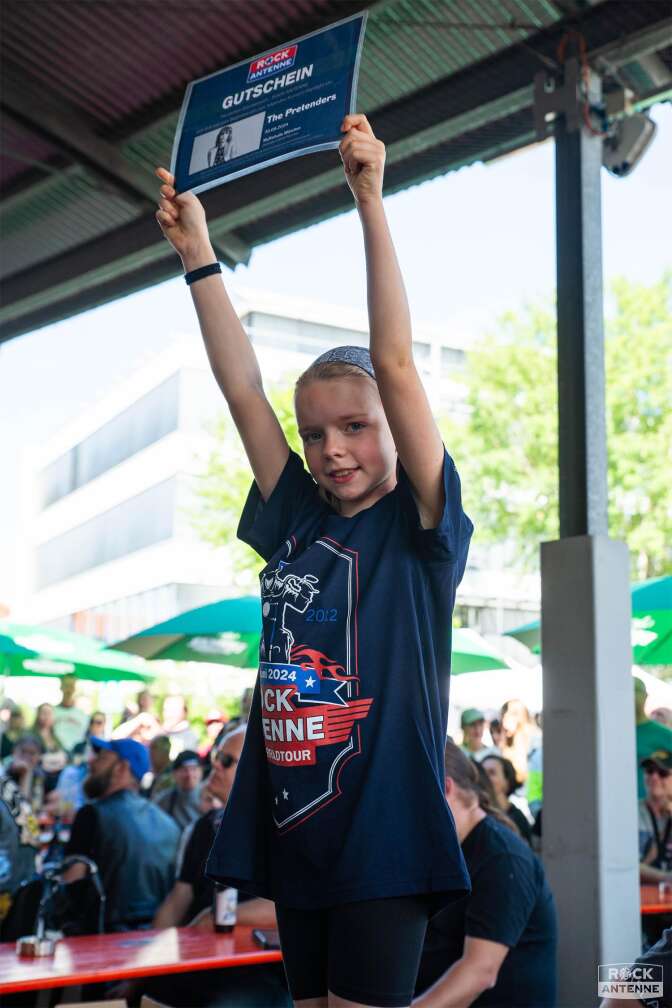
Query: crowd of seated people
144, 813
64, 771
142, 801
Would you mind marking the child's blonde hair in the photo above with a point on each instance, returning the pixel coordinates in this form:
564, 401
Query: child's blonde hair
323, 371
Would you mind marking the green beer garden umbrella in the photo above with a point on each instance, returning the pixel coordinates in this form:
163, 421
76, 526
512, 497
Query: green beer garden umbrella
60, 652
12, 655
473, 654
225, 632
652, 622
228, 632
651, 626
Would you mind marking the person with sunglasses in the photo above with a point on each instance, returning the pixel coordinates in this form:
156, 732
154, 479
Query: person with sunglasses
655, 819
97, 725
190, 903
190, 900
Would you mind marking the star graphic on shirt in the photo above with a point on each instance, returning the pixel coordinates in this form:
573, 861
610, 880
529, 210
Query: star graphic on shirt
310, 681
285, 795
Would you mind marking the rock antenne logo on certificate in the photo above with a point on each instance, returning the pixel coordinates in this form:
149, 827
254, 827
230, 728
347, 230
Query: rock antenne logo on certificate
280, 104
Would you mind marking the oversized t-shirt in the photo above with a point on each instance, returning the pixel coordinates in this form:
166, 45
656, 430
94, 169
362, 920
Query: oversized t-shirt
510, 903
339, 793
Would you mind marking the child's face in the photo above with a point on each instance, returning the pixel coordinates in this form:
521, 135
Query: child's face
347, 440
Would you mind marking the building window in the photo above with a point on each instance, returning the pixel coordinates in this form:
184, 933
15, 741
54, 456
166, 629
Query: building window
146, 421
299, 335
422, 352
451, 358
134, 524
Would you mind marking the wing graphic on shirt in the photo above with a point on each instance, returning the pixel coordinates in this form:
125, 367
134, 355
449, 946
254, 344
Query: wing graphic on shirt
339, 721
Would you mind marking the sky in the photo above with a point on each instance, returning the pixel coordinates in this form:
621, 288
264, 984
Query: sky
472, 244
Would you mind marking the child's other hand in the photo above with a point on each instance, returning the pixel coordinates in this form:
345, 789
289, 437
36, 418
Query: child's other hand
182, 220
363, 159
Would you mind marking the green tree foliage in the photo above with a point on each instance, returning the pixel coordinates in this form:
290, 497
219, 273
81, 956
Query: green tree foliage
507, 447
223, 486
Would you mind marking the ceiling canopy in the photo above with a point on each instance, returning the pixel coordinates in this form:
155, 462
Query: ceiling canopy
91, 91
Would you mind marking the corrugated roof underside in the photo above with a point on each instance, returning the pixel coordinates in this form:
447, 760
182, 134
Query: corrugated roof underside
109, 59
110, 65
446, 83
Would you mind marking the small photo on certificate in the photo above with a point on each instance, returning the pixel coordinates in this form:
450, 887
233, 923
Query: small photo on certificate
226, 143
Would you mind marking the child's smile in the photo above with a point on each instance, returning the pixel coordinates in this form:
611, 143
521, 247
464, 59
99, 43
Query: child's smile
347, 441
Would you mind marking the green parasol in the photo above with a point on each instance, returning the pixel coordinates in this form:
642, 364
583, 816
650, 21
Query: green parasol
651, 626
471, 653
227, 632
59, 652
652, 622
12, 655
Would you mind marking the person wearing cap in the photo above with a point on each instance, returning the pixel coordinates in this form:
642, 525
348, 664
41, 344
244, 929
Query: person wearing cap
655, 819
364, 547
472, 722
181, 801
650, 736
133, 843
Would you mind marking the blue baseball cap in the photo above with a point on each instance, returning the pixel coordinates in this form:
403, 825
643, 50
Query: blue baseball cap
127, 749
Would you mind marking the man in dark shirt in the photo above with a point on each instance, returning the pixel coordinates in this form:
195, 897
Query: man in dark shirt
496, 947
133, 843
192, 894
190, 902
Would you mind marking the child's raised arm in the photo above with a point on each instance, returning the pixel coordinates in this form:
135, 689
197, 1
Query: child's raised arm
415, 433
233, 361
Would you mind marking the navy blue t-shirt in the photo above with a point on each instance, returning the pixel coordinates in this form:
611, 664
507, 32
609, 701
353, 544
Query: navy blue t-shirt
510, 903
339, 792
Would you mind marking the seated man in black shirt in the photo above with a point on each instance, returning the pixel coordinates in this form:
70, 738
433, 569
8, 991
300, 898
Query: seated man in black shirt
193, 891
132, 841
190, 902
496, 947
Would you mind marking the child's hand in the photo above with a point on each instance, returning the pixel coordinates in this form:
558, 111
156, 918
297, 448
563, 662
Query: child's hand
363, 159
182, 220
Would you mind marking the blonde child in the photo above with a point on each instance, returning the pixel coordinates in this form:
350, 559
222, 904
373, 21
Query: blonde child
338, 812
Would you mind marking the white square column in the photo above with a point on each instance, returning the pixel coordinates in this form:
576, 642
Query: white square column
590, 793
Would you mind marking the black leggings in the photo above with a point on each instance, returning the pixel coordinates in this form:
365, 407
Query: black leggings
367, 952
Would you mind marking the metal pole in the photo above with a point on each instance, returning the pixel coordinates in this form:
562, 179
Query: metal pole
582, 443
589, 818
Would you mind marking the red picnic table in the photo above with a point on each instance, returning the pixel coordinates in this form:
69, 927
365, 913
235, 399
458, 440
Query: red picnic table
651, 901
128, 954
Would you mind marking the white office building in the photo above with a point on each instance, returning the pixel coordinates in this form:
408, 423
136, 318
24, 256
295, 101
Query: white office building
108, 530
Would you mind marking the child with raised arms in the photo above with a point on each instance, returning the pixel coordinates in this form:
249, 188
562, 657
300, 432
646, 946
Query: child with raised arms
338, 812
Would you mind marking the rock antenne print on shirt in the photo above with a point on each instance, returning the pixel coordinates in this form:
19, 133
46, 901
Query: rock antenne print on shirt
310, 687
